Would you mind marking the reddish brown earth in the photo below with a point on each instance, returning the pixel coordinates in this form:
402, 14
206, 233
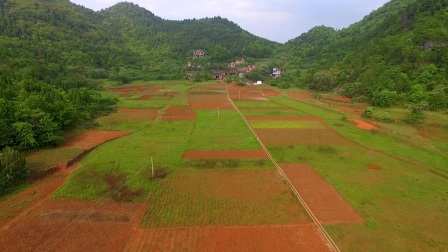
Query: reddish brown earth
271, 92
305, 237
179, 113
362, 125
225, 154
72, 225
137, 114
289, 137
283, 118
433, 134
245, 93
210, 102
93, 138
321, 197
264, 108
338, 99
374, 167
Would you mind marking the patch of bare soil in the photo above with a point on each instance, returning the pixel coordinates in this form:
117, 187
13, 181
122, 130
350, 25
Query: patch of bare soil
339, 99
360, 124
322, 198
290, 137
374, 167
90, 139
225, 154
118, 190
304, 237
283, 118
303, 95
179, 113
245, 93
73, 225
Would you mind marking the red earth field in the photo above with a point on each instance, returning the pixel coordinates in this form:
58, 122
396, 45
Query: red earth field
93, 138
360, 124
290, 137
283, 118
210, 102
225, 154
179, 113
322, 198
305, 237
137, 114
271, 92
245, 93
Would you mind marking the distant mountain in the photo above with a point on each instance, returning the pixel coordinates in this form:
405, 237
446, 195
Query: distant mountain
42, 39
398, 53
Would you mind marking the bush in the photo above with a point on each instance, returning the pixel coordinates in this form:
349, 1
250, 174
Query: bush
368, 112
415, 117
12, 169
385, 117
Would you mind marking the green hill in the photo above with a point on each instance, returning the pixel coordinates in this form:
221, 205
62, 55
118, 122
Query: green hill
396, 54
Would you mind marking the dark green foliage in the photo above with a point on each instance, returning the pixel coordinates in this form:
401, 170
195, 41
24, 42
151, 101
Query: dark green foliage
368, 112
12, 169
398, 53
416, 116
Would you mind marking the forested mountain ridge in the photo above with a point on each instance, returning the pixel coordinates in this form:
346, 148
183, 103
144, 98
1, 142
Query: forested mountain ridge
398, 53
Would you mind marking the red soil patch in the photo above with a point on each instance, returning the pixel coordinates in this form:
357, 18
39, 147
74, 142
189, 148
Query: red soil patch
374, 167
264, 108
290, 137
245, 93
137, 114
283, 118
128, 90
338, 99
362, 125
90, 139
305, 237
179, 113
210, 102
321, 197
225, 154
433, 134
271, 92
69, 225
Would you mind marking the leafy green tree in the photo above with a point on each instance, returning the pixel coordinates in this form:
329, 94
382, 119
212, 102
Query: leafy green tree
12, 169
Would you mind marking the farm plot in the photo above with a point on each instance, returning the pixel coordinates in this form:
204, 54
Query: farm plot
223, 197
225, 154
128, 119
90, 139
223, 131
304, 237
179, 113
290, 137
209, 102
271, 92
287, 125
245, 93
68, 225
324, 201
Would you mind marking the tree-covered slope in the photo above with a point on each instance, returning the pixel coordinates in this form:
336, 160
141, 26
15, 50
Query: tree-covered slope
398, 53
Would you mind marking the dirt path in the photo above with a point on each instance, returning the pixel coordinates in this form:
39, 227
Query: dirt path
327, 239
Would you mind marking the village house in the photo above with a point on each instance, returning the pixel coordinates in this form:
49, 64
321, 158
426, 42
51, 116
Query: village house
277, 72
219, 74
239, 62
198, 53
233, 71
232, 64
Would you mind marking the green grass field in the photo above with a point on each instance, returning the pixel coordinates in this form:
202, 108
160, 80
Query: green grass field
287, 125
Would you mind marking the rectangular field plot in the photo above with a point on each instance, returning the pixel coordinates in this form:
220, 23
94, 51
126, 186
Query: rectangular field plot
223, 131
257, 104
272, 112
287, 125
223, 197
290, 137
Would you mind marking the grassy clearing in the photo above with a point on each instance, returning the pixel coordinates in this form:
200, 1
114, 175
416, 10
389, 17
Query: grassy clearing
48, 158
262, 104
224, 197
272, 113
287, 125
129, 157
226, 132
154, 102
384, 198
115, 121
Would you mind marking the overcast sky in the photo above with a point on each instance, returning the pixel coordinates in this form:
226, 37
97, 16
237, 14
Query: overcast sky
277, 20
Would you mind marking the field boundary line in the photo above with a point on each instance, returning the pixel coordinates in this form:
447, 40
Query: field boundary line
330, 241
